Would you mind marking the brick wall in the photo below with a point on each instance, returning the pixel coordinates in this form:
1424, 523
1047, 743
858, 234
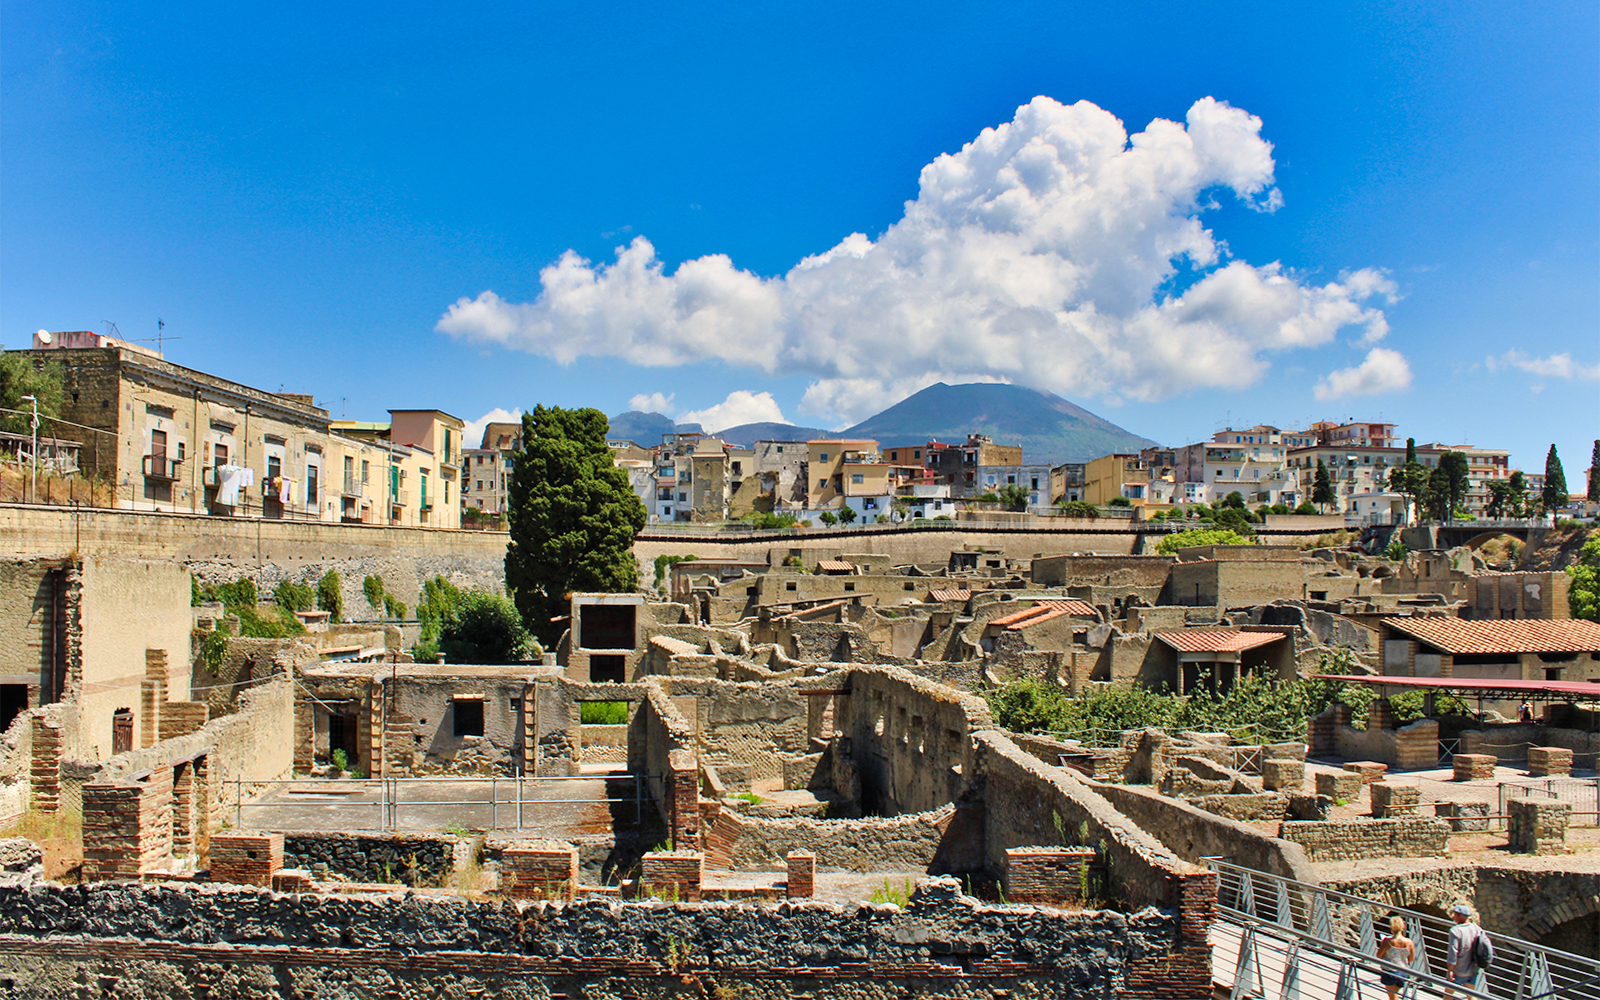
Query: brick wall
676, 875
1549, 762
1390, 801
127, 827
1473, 766
540, 870
1047, 875
180, 718
245, 858
1375, 838
45, 763
802, 874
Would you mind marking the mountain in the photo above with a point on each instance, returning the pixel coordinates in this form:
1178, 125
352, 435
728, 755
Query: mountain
767, 430
1049, 428
645, 428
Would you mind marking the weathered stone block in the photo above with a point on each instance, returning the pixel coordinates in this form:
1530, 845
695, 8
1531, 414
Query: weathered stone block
1464, 817
1369, 770
1344, 786
1535, 827
677, 875
541, 870
1549, 762
1473, 766
247, 859
1409, 837
802, 882
1390, 801
1309, 807
1285, 775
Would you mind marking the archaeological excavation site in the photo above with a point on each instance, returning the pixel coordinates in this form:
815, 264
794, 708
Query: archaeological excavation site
810, 771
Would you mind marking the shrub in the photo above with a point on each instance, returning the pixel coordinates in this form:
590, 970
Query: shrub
829, 518
292, 596
847, 514
394, 608
372, 586
1079, 508
1119, 502
1396, 550
666, 562
1307, 508
1200, 536
330, 595
484, 628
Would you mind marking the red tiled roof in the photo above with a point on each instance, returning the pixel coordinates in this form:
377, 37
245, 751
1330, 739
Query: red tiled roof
949, 595
1212, 640
1582, 689
1073, 606
1455, 635
836, 566
1017, 616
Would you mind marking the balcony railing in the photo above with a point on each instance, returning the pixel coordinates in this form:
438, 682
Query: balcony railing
400, 498
352, 486
159, 466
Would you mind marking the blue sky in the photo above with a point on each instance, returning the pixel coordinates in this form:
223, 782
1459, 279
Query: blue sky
318, 197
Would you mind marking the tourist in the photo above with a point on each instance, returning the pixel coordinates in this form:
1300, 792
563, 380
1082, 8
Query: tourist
1400, 950
1525, 712
1459, 958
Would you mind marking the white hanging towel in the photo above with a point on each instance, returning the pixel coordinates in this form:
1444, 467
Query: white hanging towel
229, 479
286, 490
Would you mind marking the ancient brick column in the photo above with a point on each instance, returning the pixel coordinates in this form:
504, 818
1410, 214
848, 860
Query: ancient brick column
152, 693
45, 766
802, 882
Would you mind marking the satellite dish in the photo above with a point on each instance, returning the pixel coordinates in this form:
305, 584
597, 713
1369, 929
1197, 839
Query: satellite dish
44, 336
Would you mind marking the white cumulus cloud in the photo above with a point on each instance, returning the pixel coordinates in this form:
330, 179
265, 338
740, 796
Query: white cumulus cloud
473, 435
653, 402
1054, 250
1555, 366
1382, 371
741, 407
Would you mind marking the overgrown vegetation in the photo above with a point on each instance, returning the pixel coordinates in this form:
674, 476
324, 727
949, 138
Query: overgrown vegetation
240, 599
1583, 591
330, 595
213, 650
769, 520
1200, 536
664, 563
471, 626
381, 600
899, 895
1078, 508
603, 713
293, 596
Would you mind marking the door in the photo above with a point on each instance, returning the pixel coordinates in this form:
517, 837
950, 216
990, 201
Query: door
122, 731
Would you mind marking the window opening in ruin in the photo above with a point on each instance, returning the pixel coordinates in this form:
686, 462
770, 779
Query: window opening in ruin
122, 731
606, 626
790, 586
608, 669
468, 716
13, 701
850, 586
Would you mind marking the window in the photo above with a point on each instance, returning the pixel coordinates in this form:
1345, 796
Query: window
158, 444
468, 716
366, 471
780, 449
311, 485
822, 457
858, 478
916, 455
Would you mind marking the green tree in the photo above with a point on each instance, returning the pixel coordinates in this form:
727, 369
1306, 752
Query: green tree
1499, 498
1517, 490
1119, 502
20, 376
1410, 480
847, 514
1234, 501
1435, 499
1322, 487
573, 517
484, 628
1554, 496
1307, 507
1453, 467
829, 518
1583, 591
1013, 497
1594, 472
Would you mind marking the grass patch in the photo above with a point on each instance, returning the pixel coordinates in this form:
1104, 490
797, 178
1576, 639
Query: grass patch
750, 797
58, 834
603, 713
899, 895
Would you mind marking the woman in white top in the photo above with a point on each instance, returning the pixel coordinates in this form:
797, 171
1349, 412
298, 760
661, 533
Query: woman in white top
1399, 949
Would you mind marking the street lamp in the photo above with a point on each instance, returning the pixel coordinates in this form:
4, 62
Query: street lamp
33, 490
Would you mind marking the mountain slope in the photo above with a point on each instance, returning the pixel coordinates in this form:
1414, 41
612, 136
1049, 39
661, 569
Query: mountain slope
645, 428
1049, 428
768, 430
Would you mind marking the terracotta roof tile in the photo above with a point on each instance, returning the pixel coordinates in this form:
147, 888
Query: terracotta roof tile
1006, 621
949, 595
836, 566
1073, 606
1212, 640
1456, 635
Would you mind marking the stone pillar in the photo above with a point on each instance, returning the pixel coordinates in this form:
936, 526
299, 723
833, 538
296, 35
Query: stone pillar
1283, 775
1549, 762
802, 882
246, 858
127, 827
185, 818
1393, 801
1537, 827
1046, 875
683, 791
1464, 817
152, 694
45, 765
675, 875
1473, 766
539, 870
1417, 746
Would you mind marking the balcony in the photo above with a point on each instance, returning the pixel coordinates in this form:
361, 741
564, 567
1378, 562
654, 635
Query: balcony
400, 498
159, 466
353, 486
209, 477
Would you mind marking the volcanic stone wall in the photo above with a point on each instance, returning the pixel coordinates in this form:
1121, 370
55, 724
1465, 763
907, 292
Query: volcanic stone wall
185, 942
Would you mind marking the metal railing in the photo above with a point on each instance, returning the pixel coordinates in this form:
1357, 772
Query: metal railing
1583, 794
390, 799
1300, 940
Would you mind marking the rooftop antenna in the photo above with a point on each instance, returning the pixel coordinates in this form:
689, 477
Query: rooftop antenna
159, 339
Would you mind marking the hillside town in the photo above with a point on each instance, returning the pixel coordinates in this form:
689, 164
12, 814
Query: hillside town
840, 710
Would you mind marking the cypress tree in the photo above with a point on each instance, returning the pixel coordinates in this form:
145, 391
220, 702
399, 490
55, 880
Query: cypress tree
572, 517
1554, 496
1594, 472
1322, 486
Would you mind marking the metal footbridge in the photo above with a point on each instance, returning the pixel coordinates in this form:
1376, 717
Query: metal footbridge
1278, 939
